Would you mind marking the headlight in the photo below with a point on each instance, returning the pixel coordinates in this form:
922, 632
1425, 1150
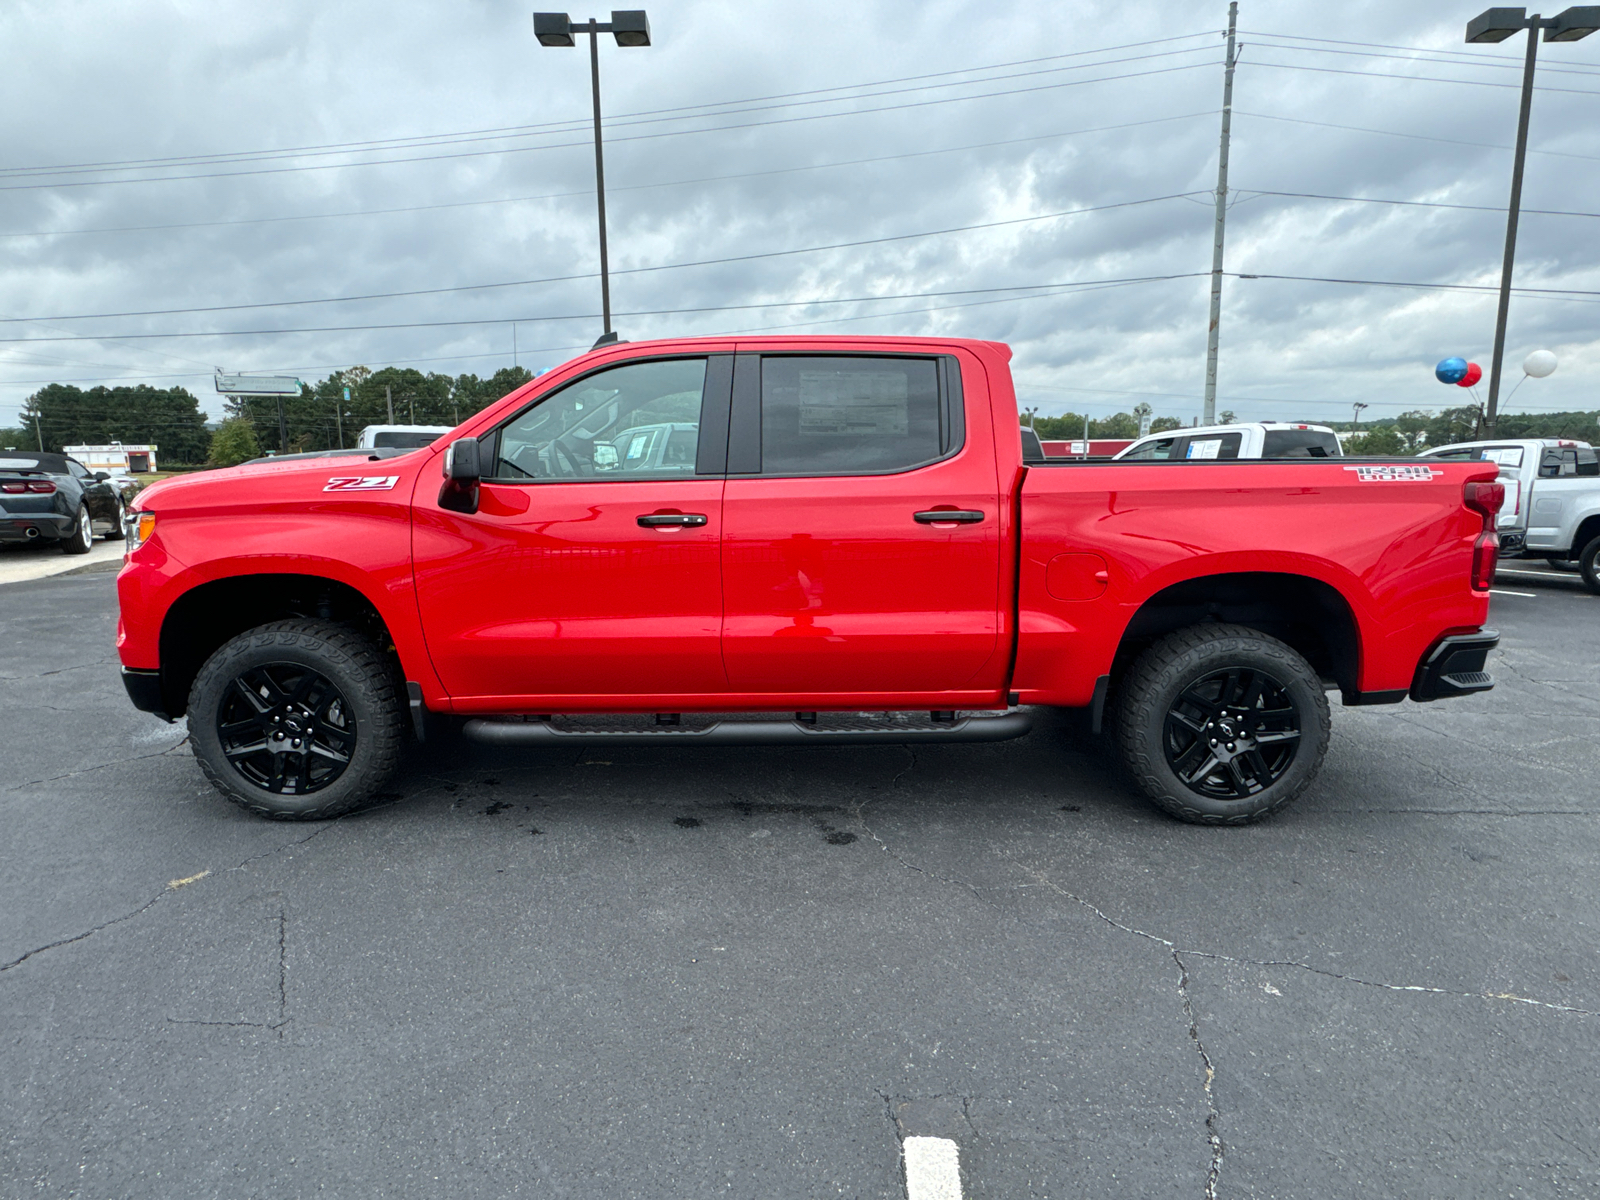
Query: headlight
137, 528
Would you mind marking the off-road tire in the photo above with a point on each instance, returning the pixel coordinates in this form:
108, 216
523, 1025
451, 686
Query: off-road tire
348, 660
1178, 660
81, 539
1589, 564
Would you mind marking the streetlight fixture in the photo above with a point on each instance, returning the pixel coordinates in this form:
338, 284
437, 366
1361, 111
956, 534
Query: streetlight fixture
1496, 25
630, 28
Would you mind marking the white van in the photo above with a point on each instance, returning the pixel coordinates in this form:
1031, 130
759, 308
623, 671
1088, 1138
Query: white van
400, 437
1256, 439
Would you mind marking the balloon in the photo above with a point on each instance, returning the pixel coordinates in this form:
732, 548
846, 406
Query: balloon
1474, 373
1450, 370
1539, 364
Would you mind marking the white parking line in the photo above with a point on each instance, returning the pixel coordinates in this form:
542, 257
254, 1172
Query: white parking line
1503, 592
1534, 574
933, 1169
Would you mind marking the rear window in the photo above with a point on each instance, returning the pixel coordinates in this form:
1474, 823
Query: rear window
848, 416
404, 441
1299, 443
50, 464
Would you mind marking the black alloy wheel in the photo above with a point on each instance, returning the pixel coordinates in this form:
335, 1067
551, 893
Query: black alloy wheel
286, 728
1232, 733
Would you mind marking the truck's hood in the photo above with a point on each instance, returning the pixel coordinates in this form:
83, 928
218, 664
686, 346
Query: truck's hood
188, 489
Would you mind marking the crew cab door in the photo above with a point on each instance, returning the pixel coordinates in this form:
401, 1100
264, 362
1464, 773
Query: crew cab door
838, 578
589, 574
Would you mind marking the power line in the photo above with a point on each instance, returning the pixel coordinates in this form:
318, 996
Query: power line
654, 312
1556, 293
410, 141
1490, 208
632, 138
159, 312
1473, 58
1239, 112
855, 162
619, 121
1419, 78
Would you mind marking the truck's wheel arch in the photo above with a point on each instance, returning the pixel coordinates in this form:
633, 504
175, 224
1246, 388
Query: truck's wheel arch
1306, 613
210, 614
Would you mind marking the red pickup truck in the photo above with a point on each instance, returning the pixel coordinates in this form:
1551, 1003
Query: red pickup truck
797, 540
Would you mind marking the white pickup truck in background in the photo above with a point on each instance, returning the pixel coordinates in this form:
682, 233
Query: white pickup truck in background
1257, 439
1552, 506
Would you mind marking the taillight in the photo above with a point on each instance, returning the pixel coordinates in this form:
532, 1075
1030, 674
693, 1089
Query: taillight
1484, 498
42, 486
1485, 552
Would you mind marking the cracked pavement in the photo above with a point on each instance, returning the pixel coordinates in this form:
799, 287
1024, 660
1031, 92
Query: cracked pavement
654, 972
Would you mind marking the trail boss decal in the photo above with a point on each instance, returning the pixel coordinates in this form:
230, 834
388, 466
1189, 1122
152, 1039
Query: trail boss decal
361, 483
1393, 474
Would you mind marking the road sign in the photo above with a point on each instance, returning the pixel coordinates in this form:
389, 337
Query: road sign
257, 385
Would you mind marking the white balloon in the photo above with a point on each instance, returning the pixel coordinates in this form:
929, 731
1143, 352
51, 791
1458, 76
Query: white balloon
1539, 364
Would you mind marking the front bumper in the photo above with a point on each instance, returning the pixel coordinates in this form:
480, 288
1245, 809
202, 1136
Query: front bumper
144, 689
30, 527
1454, 666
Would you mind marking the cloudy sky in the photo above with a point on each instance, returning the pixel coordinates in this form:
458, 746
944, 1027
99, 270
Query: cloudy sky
298, 187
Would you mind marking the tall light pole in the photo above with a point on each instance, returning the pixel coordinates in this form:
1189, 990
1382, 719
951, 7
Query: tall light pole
1496, 25
1355, 417
630, 28
1210, 417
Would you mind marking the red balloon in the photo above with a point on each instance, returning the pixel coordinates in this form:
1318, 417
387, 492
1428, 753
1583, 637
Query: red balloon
1474, 373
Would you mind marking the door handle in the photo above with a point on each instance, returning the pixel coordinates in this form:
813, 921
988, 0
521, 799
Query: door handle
955, 516
678, 520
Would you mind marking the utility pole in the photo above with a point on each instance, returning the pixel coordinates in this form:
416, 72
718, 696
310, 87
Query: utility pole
38, 431
338, 415
600, 173
1210, 412
283, 429
388, 398
1355, 418
411, 401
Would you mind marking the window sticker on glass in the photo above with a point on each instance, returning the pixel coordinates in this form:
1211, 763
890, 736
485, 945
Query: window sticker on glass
1204, 448
854, 402
636, 446
1506, 456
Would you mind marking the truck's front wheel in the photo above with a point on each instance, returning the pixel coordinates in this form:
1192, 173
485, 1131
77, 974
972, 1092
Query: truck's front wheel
1589, 564
1222, 725
297, 720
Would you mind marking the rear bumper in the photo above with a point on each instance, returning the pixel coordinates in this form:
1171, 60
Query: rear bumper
30, 527
1454, 666
144, 689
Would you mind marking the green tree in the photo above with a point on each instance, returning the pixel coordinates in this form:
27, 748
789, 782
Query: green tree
1381, 439
1227, 418
233, 443
1453, 425
1162, 424
166, 417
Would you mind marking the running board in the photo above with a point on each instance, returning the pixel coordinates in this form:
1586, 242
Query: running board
734, 732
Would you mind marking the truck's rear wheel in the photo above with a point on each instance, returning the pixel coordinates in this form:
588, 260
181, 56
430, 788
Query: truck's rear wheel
1222, 725
297, 720
1589, 564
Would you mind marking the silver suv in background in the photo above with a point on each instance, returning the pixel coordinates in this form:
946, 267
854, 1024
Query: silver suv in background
1256, 439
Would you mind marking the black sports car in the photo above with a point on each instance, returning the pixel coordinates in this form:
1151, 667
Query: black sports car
53, 498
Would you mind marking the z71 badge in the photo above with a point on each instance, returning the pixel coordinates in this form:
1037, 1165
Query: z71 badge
1394, 474
361, 483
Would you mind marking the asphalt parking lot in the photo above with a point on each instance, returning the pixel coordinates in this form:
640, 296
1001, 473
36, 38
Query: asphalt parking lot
696, 972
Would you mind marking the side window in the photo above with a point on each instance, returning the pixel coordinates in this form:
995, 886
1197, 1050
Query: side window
848, 416
1222, 445
78, 470
1156, 451
634, 421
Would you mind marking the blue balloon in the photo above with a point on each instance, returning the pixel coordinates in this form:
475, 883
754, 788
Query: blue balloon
1451, 370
